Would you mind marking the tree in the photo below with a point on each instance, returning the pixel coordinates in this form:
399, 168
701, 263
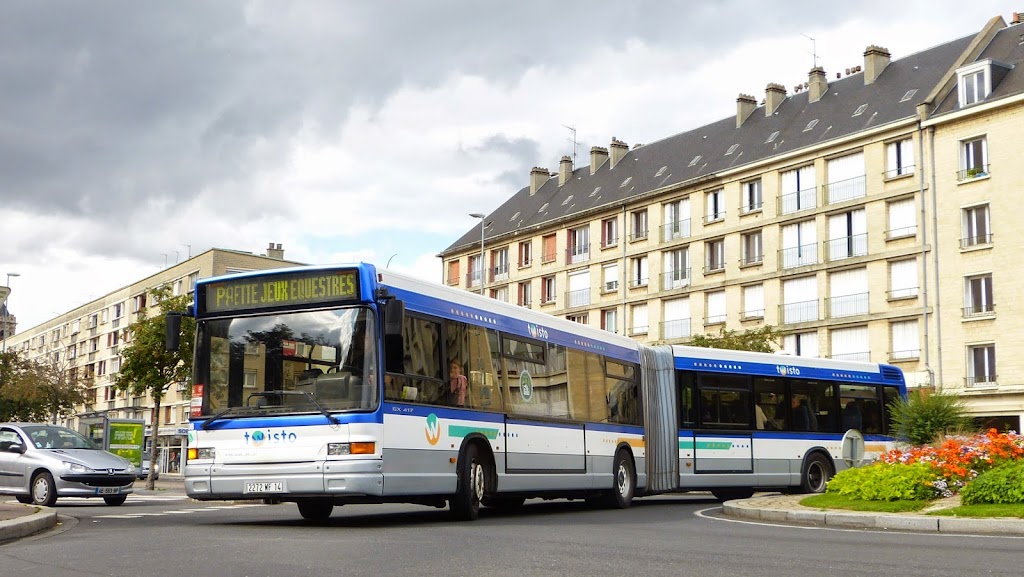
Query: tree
59, 386
20, 398
760, 340
147, 367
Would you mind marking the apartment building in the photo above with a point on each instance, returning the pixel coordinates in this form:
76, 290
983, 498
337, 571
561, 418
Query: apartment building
88, 340
856, 214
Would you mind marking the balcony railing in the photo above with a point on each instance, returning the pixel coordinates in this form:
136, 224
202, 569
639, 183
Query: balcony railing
973, 172
678, 329
981, 381
638, 235
752, 314
714, 267
847, 305
675, 279
978, 240
714, 217
610, 286
675, 229
577, 298
499, 273
796, 201
799, 256
983, 310
904, 232
548, 257
610, 242
577, 254
846, 247
473, 279
844, 189
754, 206
637, 282
714, 319
906, 355
863, 357
751, 259
902, 293
801, 312
899, 171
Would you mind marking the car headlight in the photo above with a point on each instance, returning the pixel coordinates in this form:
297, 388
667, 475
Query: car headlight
77, 467
130, 468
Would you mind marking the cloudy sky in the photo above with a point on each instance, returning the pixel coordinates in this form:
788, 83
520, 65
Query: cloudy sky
132, 133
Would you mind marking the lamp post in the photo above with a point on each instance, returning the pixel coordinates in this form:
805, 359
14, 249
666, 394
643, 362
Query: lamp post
6, 315
483, 271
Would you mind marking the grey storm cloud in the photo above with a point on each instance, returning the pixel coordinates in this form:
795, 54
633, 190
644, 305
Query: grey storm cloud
108, 106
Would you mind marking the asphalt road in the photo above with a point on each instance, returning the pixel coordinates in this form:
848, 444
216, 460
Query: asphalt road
678, 536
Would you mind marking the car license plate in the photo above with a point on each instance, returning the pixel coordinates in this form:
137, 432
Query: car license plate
108, 490
274, 487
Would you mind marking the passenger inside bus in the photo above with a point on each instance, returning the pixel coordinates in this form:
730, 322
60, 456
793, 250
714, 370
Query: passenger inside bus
803, 419
457, 385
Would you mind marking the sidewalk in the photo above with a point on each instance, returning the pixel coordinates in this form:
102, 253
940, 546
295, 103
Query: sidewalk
17, 520
787, 509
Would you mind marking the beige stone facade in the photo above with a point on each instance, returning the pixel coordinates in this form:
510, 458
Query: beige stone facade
853, 246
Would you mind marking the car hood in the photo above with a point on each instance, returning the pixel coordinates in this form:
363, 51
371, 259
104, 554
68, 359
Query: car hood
92, 458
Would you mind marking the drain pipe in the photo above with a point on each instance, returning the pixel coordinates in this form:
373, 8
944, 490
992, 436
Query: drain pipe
935, 251
924, 259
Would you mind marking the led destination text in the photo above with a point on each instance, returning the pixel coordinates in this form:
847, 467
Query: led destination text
280, 291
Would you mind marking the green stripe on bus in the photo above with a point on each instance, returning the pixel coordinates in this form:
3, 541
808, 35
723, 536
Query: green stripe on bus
706, 445
462, 431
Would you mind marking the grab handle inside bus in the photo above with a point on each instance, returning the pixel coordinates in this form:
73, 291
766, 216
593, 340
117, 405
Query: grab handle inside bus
172, 341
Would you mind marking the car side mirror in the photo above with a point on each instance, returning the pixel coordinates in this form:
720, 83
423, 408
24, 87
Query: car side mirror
17, 448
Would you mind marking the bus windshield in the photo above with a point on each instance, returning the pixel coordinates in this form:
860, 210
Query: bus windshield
289, 362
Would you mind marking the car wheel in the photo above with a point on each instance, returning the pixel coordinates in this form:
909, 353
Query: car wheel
26, 499
44, 490
115, 500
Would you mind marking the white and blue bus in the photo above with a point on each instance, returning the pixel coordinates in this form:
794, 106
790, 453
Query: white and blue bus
331, 385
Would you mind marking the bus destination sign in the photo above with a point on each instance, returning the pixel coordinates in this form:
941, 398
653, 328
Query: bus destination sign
287, 290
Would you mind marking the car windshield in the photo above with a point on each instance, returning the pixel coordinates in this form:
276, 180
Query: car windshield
53, 437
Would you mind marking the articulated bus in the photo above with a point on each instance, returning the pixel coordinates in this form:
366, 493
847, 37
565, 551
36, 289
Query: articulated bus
331, 385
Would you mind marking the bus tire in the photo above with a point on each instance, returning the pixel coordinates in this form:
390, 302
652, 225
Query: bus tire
624, 474
728, 494
816, 474
315, 509
472, 485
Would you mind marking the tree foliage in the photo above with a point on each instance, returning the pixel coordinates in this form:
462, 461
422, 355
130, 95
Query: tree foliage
33, 390
147, 367
760, 340
922, 417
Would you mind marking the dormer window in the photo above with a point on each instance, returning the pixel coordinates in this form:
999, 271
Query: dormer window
973, 88
976, 80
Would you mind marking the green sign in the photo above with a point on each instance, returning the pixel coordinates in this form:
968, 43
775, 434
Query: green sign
125, 439
281, 290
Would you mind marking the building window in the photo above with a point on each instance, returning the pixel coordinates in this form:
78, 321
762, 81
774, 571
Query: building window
476, 270
847, 235
609, 232
677, 220
500, 294
906, 342
973, 158
579, 245
610, 278
976, 226
638, 272
714, 255
715, 203
579, 289
973, 87
453, 272
639, 319
978, 296
902, 219
192, 280
638, 225
752, 200
981, 365
903, 279
798, 187
547, 290
675, 315
549, 252
899, 158
676, 269
801, 344
800, 300
850, 344
753, 302
799, 244
609, 320
581, 319
525, 294
848, 293
499, 264
845, 178
716, 313
525, 253
753, 249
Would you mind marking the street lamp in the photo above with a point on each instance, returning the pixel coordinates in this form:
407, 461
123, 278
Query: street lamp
6, 314
483, 273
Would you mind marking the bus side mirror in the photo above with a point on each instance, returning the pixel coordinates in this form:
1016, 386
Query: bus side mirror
173, 337
394, 345
394, 317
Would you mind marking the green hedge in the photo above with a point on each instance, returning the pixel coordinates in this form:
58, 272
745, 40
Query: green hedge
885, 482
1004, 484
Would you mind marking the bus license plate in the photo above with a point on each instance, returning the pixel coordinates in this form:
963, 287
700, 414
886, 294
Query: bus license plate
108, 490
275, 487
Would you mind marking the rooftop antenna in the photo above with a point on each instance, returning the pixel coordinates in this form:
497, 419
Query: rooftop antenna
163, 254
814, 50
189, 249
573, 140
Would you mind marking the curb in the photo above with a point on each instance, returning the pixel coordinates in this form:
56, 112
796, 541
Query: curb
749, 509
44, 518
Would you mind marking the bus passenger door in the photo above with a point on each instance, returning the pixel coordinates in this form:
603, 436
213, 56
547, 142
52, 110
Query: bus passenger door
723, 441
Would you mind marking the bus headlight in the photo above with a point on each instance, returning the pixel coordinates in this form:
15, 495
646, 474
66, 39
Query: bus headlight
363, 448
200, 453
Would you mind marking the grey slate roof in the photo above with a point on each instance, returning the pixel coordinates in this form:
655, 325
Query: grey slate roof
1008, 48
667, 162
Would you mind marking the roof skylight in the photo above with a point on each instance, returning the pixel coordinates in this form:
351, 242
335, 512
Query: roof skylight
811, 125
695, 160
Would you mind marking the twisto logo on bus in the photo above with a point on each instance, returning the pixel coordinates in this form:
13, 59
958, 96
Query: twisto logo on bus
537, 332
258, 438
784, 370
433, 429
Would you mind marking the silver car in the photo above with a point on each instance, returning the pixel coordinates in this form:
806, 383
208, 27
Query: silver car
40, 462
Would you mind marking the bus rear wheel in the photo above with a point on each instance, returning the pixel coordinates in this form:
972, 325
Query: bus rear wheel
624, 473
816, 475
315, 509
472, 485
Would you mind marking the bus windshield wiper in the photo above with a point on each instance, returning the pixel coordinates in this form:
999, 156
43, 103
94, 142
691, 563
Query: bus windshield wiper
206, 424
306, 394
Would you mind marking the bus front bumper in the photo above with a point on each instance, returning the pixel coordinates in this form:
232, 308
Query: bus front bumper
269, 481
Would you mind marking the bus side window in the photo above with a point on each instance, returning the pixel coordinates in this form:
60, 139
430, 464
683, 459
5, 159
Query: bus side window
687, 402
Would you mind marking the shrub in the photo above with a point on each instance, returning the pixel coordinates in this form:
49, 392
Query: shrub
922, 418
886, 482
1004, 484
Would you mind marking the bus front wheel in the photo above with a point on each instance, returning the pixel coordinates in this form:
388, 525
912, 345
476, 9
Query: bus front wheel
315, 509
817, 472
624, 473
472, 485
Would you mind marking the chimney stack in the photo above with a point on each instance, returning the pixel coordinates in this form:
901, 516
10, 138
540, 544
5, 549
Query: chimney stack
1018, 18
818, 84
774, 95
619, 150
275, 251
745, 106
564, 170
538, 176
876, 59
597, 157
